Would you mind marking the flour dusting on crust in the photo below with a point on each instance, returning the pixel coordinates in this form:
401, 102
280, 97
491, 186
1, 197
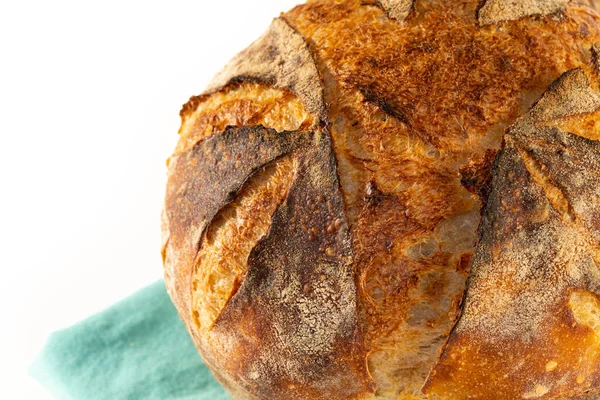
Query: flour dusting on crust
539, 240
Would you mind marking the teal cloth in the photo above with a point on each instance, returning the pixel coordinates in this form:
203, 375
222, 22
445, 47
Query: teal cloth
136, 349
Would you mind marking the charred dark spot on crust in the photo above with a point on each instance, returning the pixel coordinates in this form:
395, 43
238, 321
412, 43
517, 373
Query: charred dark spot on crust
386, 105
238, 80
476, 177
222, 163
236, 228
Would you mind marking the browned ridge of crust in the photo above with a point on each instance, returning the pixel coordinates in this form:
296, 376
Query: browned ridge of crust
324, 200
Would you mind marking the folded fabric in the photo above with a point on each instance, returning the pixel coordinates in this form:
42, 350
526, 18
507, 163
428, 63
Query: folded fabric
136, 349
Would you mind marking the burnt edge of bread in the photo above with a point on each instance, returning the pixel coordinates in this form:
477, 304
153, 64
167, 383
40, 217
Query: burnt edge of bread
397, 9
280, 57
539, 241
496, 11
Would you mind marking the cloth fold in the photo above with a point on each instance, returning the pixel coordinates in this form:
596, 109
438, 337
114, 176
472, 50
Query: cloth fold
136, 349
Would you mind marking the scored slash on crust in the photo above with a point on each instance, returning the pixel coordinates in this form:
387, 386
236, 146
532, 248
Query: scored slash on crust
540, 236
253, 315
280, 57
298, 288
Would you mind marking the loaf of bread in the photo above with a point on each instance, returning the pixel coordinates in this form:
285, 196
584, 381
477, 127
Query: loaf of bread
396, 199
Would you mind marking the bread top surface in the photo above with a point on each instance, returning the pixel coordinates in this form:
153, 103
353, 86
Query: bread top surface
416, 104
529, 320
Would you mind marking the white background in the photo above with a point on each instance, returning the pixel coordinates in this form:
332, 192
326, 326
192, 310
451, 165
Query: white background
90, 94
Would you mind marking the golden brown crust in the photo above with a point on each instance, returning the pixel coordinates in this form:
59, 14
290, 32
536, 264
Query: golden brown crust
585, 125
528, 324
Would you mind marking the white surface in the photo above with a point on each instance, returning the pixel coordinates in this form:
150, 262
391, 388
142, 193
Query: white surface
90, 94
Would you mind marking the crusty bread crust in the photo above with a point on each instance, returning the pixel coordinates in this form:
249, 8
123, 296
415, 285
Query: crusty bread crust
298, 297
241, 104
390, 116
418, 110
397, 9
295, 289
530, 319
496, 11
